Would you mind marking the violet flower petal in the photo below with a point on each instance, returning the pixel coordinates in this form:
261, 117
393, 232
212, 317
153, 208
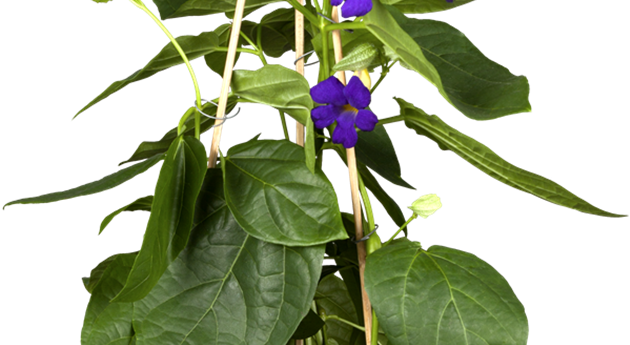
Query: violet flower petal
357, 94
366, 120
329, 91
346, 136
336, 2
356, 8
323, 116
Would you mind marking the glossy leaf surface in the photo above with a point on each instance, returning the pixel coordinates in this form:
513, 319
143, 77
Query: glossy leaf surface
489, 162
333, 297
228, 287
108, 323
142, 204
183, 8
310, 325
171, 216
193, 46
107, 182
442, 296
475, 85
275, 198
276, 86
375, 149
216, 60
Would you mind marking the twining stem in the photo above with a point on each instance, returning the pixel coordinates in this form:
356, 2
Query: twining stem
257, 48
307, 14
227, 79
140, 5
240, 50
284, 125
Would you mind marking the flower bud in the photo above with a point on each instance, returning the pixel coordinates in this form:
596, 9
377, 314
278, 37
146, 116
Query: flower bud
426, 205
365, 77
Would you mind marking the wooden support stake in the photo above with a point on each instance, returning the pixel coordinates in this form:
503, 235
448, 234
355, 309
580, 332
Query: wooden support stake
299, 67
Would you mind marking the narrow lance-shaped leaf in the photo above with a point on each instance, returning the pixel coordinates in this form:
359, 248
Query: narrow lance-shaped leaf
171, 216
490, 163
228, 287
149, 148
424, 6
442, 296
107, 182
193, 46
142, 204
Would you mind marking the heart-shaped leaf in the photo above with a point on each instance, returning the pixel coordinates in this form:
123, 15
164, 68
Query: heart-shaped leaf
274, 196
228, 287
442, 296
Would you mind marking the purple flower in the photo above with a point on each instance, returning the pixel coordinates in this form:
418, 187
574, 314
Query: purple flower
449, 0
344, 104
353, 8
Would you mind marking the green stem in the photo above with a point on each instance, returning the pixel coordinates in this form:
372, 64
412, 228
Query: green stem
367, 204
345, 26
181, 128
399, 230
351, 324
284, 125
392, 119
140, 5
307, 14
257, 48
383, 75
325, 47
240, 50
317, 7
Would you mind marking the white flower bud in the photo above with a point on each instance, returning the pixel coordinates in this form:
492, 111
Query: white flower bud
426, 205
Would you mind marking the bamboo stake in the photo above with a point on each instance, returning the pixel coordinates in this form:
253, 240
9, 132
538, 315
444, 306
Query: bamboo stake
299, 67
227, 79
356, 198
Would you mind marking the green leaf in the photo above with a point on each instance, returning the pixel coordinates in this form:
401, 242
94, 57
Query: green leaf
309, 144
193, 46
424, 6
310, 325
107, 182
171, 216
276, 86
490, 163
275, 198
375, 149
108, 323
216, 60
359, 58
97, 273
442, 296
372, 184
278, 32
228, 287
333, 298
183, 8
142, 204
351, 42
475, 85
149, 148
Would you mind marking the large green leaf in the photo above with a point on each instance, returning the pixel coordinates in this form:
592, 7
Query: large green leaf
171, 216
475, 85
275, 198
333, 297
375, 149
97, 273
278, 32
107, 182
277, 86
108, 323
424, 6
228, 287
193, 46
489, 162
309, 325
442, 296
142, 204
149, 148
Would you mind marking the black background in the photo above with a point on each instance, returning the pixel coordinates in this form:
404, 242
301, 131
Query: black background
574, 137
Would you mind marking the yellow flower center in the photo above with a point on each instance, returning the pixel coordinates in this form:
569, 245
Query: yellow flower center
348, 107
